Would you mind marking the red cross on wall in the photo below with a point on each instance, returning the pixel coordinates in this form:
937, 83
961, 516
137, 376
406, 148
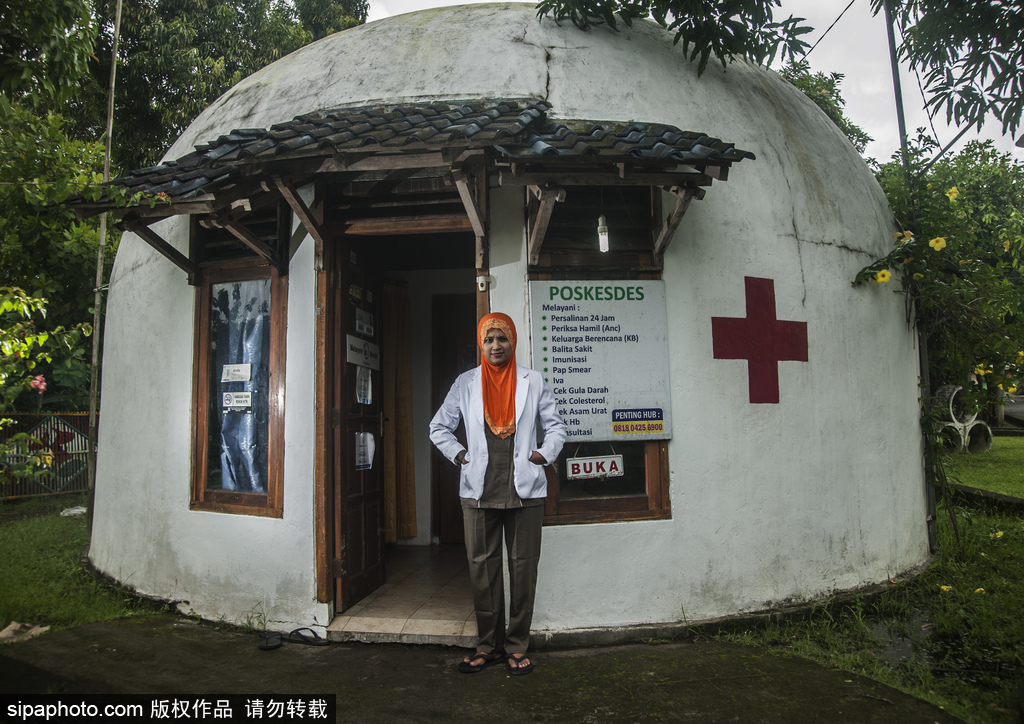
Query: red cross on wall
761, 339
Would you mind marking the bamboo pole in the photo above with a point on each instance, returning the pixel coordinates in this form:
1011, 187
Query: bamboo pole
97, 316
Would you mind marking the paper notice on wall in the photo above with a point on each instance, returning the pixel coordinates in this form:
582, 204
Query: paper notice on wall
364, 323
364, 386
236, 373
238, 402
364, 450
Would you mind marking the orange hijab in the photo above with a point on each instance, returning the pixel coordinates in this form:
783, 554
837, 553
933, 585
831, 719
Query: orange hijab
499, 383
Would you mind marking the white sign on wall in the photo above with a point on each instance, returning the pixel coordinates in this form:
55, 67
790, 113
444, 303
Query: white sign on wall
603, 466
363, 353
602, 347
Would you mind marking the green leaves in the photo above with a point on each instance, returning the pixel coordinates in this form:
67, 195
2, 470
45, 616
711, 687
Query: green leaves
178, 56
970, 54
959, 260
25, 346
42, 44
45, 251
725, 29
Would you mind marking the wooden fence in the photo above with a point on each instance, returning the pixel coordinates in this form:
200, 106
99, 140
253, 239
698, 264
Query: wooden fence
66, 436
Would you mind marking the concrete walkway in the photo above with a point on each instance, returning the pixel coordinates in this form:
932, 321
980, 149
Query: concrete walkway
698, 681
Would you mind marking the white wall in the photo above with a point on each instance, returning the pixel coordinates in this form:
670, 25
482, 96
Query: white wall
221, 566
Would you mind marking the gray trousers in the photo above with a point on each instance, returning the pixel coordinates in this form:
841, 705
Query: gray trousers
521, 529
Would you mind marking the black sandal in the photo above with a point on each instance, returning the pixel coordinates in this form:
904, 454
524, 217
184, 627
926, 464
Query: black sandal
468, 667
519, 669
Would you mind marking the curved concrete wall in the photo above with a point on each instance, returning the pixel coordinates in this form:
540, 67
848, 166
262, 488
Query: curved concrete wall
770, 503
223, 567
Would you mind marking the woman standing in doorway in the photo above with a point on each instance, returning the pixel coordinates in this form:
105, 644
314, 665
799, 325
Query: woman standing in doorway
502, 486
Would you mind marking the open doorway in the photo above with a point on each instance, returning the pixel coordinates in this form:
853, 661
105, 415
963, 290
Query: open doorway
455, 352
415, 587
383, 313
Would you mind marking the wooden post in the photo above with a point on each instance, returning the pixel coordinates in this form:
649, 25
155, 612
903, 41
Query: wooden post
97, 317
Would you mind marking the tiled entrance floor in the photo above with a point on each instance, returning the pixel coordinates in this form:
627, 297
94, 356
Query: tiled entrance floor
425, 599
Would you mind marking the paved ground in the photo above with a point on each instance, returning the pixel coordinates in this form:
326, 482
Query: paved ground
698, 681
1015, 411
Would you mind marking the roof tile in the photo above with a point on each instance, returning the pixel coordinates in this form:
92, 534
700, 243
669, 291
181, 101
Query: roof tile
517, 128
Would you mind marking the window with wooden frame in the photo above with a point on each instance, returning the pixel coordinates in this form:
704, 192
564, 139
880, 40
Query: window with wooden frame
570, 252
238, 389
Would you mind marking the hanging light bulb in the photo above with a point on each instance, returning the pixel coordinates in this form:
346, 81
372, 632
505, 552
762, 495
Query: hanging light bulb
602, 233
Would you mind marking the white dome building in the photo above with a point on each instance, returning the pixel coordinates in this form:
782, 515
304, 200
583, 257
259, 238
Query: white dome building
288, 309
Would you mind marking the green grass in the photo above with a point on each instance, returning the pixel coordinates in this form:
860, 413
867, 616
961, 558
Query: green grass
42, 577
953, 636
1001, 470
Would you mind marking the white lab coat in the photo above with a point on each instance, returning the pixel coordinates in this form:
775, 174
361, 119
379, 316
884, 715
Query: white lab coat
534, 403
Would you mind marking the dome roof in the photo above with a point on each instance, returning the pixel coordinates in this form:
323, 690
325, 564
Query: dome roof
502, 50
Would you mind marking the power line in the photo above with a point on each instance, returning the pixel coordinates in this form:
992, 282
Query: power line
829, 28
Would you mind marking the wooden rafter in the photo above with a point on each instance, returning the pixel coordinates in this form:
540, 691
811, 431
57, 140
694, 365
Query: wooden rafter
241, 232
420, 224
584, 178
164, 247
366, 162
548, 196
683, 198
463, 183
301, 211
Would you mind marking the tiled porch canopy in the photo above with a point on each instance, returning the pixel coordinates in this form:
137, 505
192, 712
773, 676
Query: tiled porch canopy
411, 153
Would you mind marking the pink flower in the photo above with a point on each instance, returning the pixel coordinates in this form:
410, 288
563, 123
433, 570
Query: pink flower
38, 384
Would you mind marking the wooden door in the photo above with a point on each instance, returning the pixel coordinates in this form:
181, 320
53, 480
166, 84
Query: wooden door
455, 352
355, 334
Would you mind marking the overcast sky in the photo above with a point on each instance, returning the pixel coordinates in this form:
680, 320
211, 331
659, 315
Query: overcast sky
857, 47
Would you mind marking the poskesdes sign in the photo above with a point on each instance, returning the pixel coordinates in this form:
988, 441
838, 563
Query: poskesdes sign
603, 349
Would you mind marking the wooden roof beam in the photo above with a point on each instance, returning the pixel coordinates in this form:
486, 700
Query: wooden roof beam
422, 224
683, 198
164, 247
548, 196
244, 235
386, 162
476, 218
301, 211
582, 178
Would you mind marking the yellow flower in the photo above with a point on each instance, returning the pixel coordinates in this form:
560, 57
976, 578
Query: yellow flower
953, 193
929, 187
919, 276
979, 370
996, 536
903, 237
979, 590
945, 589
938, 243
1011, 390
908, 260
1006, 245
883, 276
